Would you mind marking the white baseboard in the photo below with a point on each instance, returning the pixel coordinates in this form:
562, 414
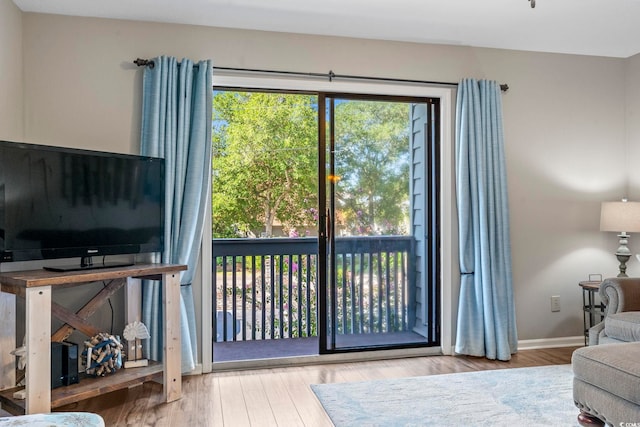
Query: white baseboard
551, 343
535, 344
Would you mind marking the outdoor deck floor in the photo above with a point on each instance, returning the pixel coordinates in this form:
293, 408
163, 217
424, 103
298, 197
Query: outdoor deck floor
293, 347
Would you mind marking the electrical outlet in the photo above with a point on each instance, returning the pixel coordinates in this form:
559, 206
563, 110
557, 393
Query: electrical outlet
555, 303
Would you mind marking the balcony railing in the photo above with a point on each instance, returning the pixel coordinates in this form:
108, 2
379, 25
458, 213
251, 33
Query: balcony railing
267, 288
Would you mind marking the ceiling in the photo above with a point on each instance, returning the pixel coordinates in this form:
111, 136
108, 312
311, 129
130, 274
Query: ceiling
585, 27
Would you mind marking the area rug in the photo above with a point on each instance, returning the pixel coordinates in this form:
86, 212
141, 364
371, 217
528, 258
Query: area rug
537, 396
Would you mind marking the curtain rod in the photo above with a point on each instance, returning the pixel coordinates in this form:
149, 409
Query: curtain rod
330, 75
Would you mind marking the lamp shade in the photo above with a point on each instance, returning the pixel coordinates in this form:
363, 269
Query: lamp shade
620, 217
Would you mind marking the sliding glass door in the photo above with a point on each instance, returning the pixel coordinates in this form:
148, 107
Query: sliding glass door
325, 219
378, 287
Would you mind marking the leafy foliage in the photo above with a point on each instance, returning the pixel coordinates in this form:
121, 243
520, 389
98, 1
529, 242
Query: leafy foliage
372, 163
265, 161
265, 164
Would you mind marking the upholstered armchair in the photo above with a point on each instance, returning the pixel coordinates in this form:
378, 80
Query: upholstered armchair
606, 377
621, 295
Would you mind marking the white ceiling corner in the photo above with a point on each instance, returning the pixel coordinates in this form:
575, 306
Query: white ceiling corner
584, 27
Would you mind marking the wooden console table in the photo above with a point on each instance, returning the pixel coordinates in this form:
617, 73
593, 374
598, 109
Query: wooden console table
36, 288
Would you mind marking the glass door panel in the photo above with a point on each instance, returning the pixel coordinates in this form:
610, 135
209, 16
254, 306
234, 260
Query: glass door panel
370, 293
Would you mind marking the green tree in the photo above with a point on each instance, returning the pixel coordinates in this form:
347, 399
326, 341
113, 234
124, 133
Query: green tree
264, 161
372, 163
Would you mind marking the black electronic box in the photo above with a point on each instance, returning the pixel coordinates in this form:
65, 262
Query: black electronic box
64, 364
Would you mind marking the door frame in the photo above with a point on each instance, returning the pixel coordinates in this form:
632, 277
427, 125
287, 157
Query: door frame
449, 272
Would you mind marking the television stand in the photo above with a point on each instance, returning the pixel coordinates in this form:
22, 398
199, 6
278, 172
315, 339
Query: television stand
36, 288
86, 263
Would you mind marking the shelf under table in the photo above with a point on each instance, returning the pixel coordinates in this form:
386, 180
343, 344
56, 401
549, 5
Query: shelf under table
87, 387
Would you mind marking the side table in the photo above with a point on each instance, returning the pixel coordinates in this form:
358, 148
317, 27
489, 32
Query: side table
593, 312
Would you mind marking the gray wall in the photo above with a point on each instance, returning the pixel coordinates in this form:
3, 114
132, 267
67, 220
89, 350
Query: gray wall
570, 123
11, 72
632, 128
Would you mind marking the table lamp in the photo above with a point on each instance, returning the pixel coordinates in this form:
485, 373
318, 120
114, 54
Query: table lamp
622, 217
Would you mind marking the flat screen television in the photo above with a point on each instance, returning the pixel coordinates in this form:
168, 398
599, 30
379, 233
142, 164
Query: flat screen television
66, 203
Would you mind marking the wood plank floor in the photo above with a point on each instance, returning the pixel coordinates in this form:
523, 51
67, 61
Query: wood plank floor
279, 396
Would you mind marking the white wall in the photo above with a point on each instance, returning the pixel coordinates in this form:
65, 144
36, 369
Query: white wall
564, 123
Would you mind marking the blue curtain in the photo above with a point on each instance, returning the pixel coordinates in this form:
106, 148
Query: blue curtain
176, 125
486, 312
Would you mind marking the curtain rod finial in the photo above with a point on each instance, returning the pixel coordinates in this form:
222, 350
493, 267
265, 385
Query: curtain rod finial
144, 62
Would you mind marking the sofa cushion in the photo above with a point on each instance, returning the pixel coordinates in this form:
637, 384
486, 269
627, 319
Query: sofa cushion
612, 367
56, 419
624, 326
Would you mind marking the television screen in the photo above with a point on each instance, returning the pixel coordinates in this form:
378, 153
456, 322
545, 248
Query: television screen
62, 203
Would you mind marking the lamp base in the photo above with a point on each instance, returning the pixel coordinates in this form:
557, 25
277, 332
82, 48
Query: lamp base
622, 258
623, 254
